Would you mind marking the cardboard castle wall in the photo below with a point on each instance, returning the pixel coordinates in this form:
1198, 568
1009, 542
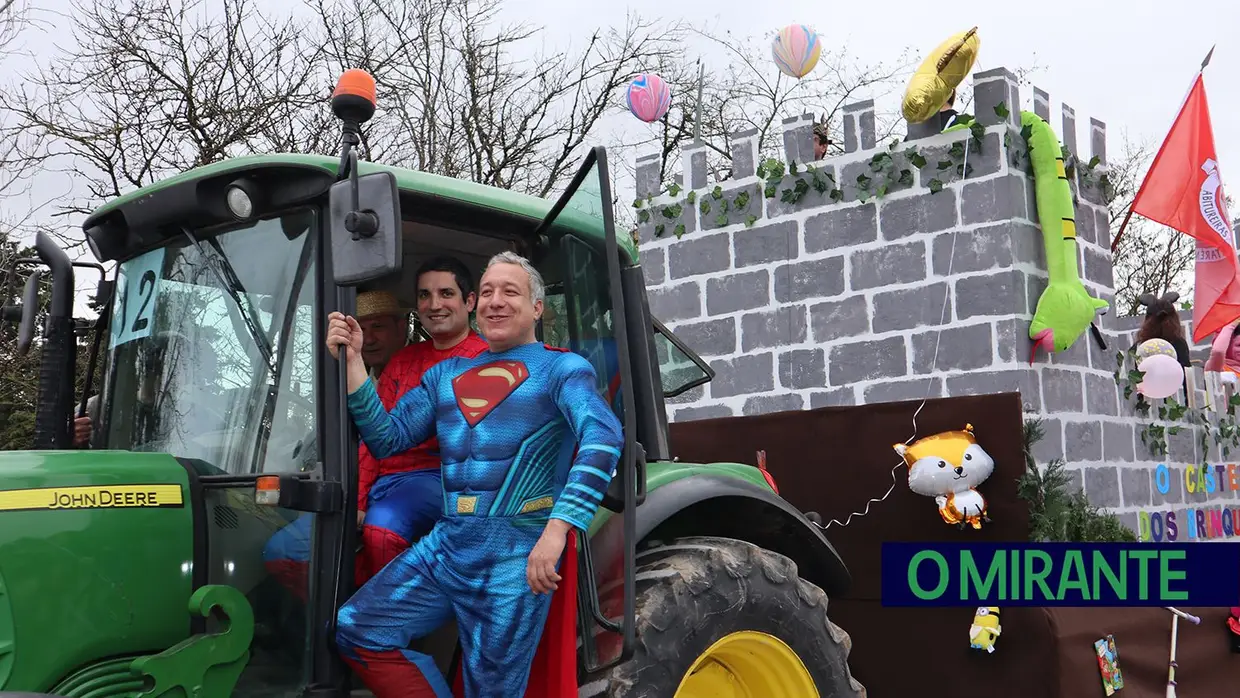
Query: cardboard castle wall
811, 290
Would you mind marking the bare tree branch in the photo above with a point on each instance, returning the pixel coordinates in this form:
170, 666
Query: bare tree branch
457, 101
1150, 258
153, 88
748, 92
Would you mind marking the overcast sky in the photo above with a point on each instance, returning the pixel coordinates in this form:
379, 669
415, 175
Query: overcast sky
1128, 64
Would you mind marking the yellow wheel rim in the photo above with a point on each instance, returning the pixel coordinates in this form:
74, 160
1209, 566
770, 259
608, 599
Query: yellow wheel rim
748, 664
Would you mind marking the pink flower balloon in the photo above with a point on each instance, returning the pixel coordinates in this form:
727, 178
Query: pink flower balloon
649, 97
1163, 376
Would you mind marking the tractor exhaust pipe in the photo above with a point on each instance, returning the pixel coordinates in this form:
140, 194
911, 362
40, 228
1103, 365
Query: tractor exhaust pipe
57, 368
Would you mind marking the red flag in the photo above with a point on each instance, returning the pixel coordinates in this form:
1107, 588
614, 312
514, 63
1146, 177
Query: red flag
1184, 191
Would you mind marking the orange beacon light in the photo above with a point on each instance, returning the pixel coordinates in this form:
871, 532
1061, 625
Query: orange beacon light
354, 98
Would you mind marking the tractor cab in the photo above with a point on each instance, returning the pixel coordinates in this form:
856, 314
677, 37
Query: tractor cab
215, 355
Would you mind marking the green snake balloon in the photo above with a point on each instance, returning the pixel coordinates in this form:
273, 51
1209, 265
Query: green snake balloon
1065, 309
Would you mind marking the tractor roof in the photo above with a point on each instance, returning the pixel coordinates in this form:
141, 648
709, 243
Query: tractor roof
460, 190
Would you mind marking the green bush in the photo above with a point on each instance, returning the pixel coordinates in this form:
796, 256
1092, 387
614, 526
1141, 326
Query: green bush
1057, 514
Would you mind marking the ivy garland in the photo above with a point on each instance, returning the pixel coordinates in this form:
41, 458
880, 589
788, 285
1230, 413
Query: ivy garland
956, 153
771, 172
883, 167
670, 211
885, 172
1222, 430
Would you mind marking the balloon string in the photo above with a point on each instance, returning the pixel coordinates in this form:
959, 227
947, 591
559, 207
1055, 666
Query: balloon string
934, 365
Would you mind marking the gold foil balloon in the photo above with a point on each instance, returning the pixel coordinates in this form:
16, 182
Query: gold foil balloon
1155, 347
942, 71
949, 466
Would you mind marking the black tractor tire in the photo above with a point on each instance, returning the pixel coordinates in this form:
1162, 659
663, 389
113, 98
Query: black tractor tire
693, 591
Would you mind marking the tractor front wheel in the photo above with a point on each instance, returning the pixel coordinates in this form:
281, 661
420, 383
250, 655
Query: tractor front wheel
721, 618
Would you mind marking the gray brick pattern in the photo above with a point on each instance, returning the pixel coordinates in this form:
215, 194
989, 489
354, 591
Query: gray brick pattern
777, 242
798, 139
744, 153
992, 88
695, 165
974, 162
1067, 133
816, 278
843, 227
1041, 104
816, 299
702, 254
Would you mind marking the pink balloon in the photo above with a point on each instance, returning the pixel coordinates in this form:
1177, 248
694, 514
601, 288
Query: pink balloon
1163, 376
649, 97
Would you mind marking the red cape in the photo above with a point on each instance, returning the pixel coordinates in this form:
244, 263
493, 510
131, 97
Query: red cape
554, 672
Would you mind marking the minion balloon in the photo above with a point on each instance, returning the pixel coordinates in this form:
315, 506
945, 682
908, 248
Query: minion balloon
985, 629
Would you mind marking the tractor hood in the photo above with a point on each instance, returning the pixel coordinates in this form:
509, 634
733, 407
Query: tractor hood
96, 560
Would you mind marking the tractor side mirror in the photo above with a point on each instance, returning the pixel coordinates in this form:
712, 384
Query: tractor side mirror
365, 228
30, 308
103, 294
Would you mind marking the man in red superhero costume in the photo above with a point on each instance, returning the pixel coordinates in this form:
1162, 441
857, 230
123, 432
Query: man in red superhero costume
399, 498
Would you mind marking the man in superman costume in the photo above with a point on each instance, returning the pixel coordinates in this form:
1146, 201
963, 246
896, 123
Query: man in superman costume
400, 497
528, 448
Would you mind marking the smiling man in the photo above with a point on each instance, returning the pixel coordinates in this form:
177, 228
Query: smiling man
385, 328
400, 497
528, 447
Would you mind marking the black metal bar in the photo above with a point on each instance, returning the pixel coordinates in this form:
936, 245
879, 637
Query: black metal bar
101, 326
628, 464
57, 368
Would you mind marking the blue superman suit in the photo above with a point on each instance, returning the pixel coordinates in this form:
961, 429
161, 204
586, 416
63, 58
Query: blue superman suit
524, 436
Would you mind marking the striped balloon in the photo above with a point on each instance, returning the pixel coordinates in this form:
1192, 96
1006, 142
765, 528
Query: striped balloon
649, 97
796, 49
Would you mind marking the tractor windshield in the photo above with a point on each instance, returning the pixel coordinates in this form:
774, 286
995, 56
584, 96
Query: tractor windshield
213, 348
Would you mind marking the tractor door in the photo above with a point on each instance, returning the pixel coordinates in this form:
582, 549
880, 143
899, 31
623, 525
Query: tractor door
585, 312
214, 359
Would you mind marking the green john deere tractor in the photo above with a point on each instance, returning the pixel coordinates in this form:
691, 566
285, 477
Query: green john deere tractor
136, 567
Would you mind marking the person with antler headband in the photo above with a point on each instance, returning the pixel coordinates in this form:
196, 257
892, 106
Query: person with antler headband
1162, 321
821, 139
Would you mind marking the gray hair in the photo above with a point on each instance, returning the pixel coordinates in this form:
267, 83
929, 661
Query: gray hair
537, 287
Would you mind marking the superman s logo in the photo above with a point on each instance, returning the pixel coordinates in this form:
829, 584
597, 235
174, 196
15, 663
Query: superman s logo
481, 389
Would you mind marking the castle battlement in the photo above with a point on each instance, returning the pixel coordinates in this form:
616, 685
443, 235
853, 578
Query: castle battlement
900, 269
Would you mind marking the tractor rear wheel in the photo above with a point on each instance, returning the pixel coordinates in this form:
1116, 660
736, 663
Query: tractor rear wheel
722, 618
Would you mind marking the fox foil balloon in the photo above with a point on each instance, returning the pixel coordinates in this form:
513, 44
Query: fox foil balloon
949, 466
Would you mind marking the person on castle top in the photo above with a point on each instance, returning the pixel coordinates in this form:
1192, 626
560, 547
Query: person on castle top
1225, 352
528, 448
821, 140
947, 116
948, 113
1162, 321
